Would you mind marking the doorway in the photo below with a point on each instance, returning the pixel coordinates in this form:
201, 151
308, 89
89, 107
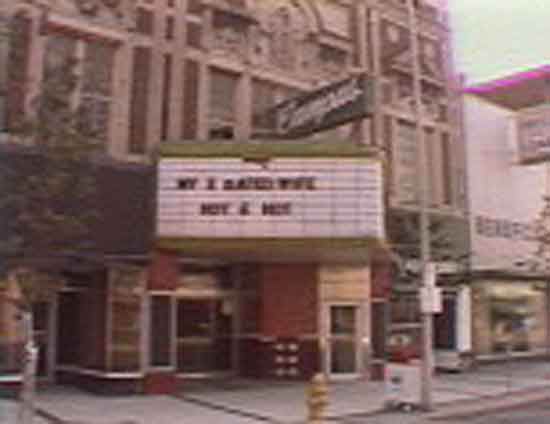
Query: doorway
68, 328
204, 336
43, 334
343, 340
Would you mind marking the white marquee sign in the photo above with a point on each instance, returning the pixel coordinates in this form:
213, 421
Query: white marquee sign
282, 198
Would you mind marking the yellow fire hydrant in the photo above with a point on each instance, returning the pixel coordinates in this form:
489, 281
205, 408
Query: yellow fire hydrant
317, 399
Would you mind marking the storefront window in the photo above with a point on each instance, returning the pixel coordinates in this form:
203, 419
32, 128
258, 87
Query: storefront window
161, 331
125, 293
509, 317
11, 337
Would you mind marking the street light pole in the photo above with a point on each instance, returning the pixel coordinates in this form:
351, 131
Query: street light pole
426, 383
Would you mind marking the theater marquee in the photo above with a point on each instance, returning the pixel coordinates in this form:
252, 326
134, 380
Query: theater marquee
280, 198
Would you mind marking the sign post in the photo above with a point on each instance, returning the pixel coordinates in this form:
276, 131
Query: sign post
430, 295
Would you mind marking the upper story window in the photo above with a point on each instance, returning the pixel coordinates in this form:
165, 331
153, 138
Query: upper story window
14, 87
223, 103
263, 98
194, 6
96, 93
406, 162
144, 21
94, 65
266, 95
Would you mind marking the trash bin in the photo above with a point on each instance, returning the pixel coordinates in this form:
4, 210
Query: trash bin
403, 384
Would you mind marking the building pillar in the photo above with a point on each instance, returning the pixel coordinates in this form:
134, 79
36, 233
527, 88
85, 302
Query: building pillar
381, 282
288, 321
118, 146
160, 374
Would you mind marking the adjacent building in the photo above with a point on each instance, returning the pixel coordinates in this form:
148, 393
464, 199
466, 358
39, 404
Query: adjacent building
154, 72
506, 122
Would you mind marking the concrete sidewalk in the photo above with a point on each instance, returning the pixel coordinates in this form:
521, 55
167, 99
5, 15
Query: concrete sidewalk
284, 402
244, 401
8, 413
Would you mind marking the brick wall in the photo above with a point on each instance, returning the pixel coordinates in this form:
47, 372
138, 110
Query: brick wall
160, 383
164, 271
289, 300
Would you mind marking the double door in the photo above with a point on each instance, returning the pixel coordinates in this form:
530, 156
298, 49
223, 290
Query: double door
204, 335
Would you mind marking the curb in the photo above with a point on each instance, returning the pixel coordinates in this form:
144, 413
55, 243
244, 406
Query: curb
491, 404
54, 419
227, 409
48, 416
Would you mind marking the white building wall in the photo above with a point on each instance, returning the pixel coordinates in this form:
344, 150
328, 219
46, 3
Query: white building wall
501, 191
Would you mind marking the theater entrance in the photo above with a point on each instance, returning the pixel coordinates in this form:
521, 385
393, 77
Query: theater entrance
205, 342
343, 340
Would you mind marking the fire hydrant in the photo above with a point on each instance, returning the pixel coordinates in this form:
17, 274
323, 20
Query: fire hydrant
317, 399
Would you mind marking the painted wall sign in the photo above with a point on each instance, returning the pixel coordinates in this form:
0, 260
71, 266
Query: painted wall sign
325, 108
287, 197
503, 228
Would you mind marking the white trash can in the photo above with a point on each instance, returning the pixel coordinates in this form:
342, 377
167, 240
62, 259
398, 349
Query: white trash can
403, 383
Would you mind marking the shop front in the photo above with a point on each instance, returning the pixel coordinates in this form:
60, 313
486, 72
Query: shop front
263, 266
509, 318
263, 261
90, 325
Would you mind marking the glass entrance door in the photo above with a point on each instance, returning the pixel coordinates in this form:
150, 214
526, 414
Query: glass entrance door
204, 328
343, 353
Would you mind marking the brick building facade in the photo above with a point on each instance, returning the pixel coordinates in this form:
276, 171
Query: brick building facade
155, 71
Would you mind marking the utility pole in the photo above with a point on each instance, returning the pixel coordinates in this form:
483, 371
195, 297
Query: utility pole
545, 213
425, 254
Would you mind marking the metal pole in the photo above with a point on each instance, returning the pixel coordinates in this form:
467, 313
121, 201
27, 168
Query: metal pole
26, 407
547, 286
426, 384
546, 255
546, 201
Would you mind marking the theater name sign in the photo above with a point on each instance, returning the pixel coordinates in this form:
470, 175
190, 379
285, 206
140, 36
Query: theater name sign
277, 192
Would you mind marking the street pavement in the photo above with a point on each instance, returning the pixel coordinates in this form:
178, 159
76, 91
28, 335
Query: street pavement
456, 397
538, 413
531, 413
8, 413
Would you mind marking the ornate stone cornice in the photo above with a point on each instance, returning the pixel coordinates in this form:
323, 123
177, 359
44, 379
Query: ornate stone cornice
112, 13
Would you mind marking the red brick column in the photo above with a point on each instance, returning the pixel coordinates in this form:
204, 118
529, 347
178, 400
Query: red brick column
164, 271
288, 317
381, 283
163, 275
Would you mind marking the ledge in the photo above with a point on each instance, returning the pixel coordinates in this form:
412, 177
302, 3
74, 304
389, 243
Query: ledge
271, 250
266, 149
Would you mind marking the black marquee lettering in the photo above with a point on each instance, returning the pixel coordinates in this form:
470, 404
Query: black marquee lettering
213, 209
187, 183
211, 184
